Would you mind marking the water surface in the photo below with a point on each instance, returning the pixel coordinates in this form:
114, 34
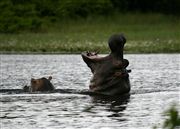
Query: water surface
155, 87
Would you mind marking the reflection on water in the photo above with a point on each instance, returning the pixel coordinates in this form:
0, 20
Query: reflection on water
155, 86
116, 105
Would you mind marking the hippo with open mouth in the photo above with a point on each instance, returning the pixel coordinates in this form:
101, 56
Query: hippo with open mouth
110, 76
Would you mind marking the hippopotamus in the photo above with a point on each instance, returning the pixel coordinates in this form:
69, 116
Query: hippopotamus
41, 84
110, 76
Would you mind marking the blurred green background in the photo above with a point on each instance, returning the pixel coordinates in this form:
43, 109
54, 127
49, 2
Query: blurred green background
73, 26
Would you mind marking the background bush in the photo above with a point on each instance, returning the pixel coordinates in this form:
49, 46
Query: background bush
31, 15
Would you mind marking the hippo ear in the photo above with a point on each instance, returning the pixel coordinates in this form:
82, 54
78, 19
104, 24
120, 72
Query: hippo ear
50, 78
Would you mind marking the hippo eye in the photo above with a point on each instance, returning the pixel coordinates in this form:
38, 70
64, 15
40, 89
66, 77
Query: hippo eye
33, 81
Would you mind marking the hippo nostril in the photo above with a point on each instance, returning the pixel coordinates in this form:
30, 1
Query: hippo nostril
50, 78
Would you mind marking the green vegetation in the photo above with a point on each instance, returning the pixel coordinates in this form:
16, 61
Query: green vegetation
173, 119
32, 15
73, 26
145, 33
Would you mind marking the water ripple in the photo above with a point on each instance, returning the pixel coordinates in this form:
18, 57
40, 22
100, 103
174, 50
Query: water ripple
154, 80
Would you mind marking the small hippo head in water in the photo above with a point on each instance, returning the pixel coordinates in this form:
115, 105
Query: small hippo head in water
41, 84
110, 76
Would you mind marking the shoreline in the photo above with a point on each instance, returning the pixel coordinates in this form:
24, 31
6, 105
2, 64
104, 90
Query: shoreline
73, 53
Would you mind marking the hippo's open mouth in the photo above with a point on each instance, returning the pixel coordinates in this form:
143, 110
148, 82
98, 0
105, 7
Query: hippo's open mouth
91, 56
110, 75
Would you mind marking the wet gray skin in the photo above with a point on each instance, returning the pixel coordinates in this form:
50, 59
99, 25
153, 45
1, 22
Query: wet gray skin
110, 76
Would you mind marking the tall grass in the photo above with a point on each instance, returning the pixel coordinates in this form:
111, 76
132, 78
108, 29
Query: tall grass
145, 33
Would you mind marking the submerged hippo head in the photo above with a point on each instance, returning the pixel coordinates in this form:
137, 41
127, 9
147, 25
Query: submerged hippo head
109, 73
41, 84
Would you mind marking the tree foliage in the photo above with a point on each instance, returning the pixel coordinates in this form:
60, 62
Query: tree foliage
160, 6
17, 15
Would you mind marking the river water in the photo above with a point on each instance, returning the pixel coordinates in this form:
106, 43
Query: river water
155, 81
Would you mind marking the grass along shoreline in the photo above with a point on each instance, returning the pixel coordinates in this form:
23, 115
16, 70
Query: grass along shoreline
152, 33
